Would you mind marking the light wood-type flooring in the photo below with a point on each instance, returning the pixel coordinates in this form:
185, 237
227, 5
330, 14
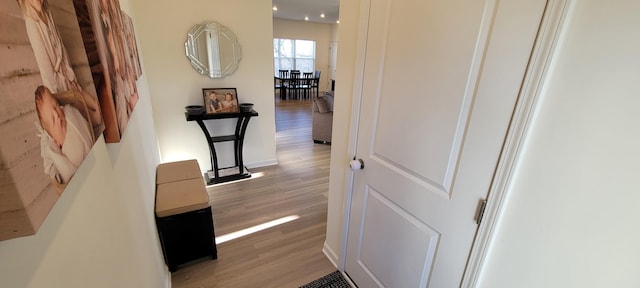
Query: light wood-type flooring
287, 255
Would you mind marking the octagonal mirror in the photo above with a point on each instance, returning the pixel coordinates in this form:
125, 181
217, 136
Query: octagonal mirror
213, 49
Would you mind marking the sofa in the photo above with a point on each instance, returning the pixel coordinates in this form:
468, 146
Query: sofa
322, 118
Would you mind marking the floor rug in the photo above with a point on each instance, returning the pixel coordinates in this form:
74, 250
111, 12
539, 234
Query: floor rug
332, 280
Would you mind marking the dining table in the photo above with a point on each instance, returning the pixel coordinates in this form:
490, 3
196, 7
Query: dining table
285, 83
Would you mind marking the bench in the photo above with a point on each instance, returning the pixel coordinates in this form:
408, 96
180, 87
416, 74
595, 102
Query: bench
183, 214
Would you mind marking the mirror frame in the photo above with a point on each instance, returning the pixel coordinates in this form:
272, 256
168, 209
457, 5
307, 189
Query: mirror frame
213, 50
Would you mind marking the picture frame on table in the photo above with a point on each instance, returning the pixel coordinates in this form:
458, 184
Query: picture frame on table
220, 100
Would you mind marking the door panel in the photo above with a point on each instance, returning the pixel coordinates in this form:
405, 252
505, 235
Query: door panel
439, 85
426, 79
412, 264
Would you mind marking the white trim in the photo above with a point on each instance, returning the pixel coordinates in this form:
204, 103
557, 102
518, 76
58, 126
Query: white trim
356, 100
331, 255
346, 277
167, 279
549, 34
269, 162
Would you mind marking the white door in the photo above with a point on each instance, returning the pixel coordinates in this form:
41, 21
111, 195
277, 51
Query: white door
440, 81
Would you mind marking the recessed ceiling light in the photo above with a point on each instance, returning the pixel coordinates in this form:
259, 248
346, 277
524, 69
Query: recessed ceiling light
322, 15
338, 21
275, 8
306, 18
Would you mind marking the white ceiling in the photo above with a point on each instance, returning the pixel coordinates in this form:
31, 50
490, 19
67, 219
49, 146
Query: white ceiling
298, 9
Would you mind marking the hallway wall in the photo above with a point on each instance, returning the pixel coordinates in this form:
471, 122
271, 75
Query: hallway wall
101, 232
173, 83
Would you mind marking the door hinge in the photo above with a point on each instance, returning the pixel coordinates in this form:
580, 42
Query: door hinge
481, 206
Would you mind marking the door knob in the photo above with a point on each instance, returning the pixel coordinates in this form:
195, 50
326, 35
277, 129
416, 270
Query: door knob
356, 164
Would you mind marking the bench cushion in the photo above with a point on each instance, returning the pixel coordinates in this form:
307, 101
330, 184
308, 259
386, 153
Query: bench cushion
175, 171
182, 196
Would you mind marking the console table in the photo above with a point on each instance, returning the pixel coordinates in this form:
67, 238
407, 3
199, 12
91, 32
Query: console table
217, 174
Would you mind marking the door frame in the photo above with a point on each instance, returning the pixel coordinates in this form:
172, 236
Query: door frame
546, 45
356, 101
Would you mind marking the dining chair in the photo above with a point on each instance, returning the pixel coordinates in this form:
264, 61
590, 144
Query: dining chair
315, 85
281, 83
305, 84
293, 85
278, 87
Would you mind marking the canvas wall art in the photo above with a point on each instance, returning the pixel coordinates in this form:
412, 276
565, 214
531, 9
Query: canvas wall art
108, 35
50, 117
63, 84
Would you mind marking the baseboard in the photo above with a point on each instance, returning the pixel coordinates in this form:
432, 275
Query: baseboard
331, 255
333, 258
168, 280
346, 277
265, 163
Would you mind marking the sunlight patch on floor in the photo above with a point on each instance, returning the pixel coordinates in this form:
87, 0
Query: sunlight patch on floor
254, 229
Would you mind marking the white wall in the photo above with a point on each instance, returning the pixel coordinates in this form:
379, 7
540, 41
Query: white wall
101, 232
322, 33
571, 218
162, 31
334, 32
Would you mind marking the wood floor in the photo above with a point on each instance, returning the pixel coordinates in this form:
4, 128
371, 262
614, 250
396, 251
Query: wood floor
287, 255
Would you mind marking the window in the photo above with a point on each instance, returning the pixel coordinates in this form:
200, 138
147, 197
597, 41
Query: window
292, 54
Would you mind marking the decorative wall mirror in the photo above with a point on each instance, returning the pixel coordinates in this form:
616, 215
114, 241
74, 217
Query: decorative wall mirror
213, 49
